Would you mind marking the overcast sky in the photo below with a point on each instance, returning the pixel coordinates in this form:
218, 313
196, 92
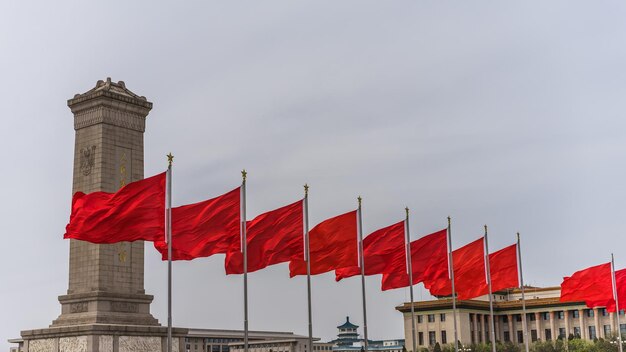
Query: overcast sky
499, 113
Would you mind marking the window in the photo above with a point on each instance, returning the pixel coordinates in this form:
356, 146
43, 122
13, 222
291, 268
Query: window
444, 337
589, 313
507, 336
577, 332
607, 330
420, 319
592, 332
520, 336
604, 312
562, 333
560, 315
575, 314
533, 317
518, 317
545, 315
505, 318
442, 317
432, 339
421, 338
622, 328
548, 333
431, 318
533, 335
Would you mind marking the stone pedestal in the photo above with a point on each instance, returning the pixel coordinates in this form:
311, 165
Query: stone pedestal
106, 308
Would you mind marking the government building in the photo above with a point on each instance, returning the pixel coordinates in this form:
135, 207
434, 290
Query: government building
546, 317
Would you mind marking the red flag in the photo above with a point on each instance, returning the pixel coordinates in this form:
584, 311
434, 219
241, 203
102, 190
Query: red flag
470, 279
135, 212
620, 280
503, 268
205, 228
274, 237
379, 248
469, 272
425, 252
332, 245
593, 284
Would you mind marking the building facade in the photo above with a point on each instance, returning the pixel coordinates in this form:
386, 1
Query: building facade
546, 318
348, 340
217, 340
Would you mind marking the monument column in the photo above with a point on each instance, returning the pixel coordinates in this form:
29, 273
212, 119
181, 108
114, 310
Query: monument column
106, 308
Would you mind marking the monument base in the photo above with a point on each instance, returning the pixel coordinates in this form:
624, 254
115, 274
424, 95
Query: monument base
103, 338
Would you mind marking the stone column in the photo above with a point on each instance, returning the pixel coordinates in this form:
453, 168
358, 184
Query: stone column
612, 319
538, 326
567, 326
512, 331
596, 321
481, 320
553, 326
583, 329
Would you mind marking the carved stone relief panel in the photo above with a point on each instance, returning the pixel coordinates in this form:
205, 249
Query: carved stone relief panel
73, 344
42, 345
139, 344
87, 159
105, 344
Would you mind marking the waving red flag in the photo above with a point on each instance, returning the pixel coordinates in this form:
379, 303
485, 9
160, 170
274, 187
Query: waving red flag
425, 252
609, 304
379, 248
593, 284
135, 212
332, 245
274, 237
469, 272
503, 269
205, 228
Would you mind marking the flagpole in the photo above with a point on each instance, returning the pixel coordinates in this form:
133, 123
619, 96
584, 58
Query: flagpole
362, 265
410, 271
521, 277
168, 224
451, 275
488, 273
616, 298
307, 254
244, 246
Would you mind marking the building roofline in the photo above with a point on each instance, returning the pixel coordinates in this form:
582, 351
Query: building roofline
446, 303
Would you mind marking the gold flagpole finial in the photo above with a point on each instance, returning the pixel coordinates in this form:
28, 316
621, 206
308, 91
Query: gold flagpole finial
449, 220
244, 175
170, 159
359, 199
485, 229
306, 189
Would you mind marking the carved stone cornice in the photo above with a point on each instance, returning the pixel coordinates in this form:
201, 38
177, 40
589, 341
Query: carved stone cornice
110, 103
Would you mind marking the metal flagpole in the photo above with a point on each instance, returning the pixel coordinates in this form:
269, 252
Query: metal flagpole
244, 247
521, 278
616, 298
451, 275
168, 224
307, 255
488, 275
362, 265
410, 271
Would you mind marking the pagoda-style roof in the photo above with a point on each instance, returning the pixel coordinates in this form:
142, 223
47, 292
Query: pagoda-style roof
347, 325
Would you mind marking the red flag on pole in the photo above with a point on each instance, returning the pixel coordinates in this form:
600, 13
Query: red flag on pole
205, 228
425, 252
332, 245
609, 304
470, 271
379, 248
593, 284
274, 237
136, 212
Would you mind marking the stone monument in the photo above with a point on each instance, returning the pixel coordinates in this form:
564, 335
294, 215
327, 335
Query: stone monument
106, 308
